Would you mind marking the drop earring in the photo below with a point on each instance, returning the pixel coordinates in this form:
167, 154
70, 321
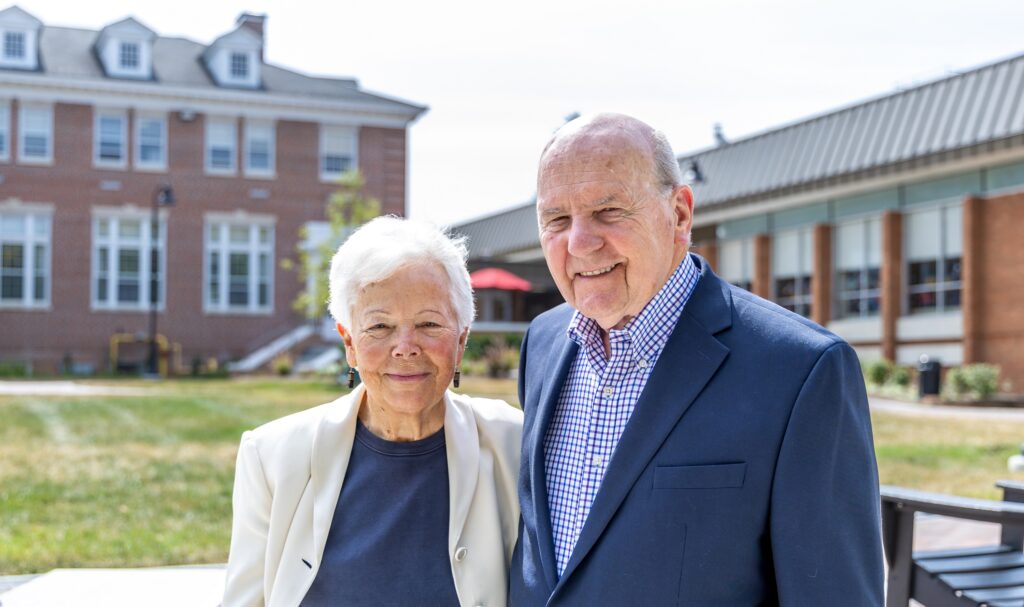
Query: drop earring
458, 376
351, 378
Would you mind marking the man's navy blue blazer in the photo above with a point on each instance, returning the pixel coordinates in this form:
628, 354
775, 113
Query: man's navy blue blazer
745, 476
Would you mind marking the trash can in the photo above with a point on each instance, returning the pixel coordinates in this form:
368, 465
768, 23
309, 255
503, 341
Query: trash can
929, 373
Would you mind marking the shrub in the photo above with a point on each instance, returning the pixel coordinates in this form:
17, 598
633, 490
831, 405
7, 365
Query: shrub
979, 380
13, 369
900, 376
877, 372
282, 364
500, 359
956, 382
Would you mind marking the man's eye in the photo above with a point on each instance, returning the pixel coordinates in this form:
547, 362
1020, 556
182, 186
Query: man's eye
610, 212
557, 223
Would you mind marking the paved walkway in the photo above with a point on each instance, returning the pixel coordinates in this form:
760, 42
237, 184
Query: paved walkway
66, 388
1012, 414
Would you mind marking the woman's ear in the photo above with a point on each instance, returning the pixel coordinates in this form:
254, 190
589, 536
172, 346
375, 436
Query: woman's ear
462, 346
350, 350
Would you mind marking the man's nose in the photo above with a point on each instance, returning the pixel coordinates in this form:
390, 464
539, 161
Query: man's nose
584, 238
406, 345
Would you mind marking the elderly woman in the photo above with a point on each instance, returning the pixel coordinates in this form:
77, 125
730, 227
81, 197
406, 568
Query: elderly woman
401, 492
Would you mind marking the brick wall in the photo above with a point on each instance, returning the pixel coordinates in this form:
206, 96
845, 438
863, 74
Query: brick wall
294, 196
994, 271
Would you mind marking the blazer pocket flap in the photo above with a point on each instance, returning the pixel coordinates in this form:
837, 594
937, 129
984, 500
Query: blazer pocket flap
703, 476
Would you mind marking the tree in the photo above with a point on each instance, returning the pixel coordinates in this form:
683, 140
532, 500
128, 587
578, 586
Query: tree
347, 209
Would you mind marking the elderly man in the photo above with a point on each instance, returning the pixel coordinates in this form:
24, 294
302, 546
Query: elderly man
685, 442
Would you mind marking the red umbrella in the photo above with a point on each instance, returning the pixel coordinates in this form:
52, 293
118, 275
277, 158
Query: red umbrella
496, 278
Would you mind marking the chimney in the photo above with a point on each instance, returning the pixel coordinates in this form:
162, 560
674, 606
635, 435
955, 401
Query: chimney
253, 23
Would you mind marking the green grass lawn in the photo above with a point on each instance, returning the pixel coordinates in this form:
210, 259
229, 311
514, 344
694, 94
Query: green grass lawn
146, 480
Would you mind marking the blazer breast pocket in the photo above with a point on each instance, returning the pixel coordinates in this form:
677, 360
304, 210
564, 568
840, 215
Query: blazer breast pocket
701, 476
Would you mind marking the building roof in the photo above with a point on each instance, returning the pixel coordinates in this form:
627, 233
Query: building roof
68, 52
957, 113
501, 233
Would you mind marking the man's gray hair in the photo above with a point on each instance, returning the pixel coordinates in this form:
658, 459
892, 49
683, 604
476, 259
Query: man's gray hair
666, 166
385, 245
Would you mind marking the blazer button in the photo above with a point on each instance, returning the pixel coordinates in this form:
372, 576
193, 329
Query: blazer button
460, 554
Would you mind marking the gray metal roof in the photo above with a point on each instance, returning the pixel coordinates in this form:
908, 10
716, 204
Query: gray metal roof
68, 52
502, 233
959, 112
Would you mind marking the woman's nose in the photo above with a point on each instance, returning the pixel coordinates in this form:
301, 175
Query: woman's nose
406, 345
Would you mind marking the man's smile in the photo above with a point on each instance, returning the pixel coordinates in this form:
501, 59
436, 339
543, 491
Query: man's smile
598, 272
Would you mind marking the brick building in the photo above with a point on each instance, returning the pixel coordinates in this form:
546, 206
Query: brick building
95, 124
892, 221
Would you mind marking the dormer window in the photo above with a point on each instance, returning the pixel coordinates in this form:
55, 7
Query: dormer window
14, 45
125, 50
239, 66
129, 56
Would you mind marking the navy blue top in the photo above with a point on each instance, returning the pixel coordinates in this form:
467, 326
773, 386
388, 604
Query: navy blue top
388, 543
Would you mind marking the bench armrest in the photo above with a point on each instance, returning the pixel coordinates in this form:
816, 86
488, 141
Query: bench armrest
989, 511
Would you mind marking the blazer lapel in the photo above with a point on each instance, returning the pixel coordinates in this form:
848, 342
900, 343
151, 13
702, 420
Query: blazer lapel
332, 448
689, 360
560, 363
462, 442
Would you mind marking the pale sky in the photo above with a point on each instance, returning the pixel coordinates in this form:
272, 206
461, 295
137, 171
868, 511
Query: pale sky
499, 78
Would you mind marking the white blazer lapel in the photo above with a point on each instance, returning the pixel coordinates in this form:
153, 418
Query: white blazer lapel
462, 444
332, 448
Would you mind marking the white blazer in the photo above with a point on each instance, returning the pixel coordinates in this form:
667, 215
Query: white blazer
289, 475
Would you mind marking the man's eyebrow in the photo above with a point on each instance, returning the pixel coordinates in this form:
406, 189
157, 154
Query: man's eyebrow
600, 202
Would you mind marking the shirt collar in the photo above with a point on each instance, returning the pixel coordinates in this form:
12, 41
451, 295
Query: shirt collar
649, 330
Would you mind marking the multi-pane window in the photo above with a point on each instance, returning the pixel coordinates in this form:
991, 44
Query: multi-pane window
792, 270
5, 131
127, 259
239, 66
337, 151
259, 148
239, 266
111, 138
35, 133
129, 55
858, 255
221, 144
24, 259
14, 45
151, 142
934, 249
736, 261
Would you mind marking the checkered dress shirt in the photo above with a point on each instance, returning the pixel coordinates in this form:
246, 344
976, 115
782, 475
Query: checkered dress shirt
597, 400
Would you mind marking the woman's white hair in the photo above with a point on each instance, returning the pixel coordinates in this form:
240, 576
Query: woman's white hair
385, 245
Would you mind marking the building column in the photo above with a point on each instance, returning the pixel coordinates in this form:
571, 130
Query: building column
821, 281
761, 283
892, 272
970, 278
709, 251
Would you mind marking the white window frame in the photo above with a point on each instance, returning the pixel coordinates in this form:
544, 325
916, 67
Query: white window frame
942, 284
22, 133
114, 244
246, 60
161, 164
864, 294
24, 46
330, 137
97, 146
252, 128
217, 244
801, 301
38, 232
122, 45
212, 124
5, 130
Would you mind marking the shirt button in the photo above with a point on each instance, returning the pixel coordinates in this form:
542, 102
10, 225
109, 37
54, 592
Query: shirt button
460, 554
609, 391
642, 363
598, 460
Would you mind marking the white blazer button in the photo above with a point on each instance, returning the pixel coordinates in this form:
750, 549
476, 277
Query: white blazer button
460, 554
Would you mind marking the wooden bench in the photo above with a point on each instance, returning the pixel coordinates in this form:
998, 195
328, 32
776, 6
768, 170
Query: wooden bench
986, 576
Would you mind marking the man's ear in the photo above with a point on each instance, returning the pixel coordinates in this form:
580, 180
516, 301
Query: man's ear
682, 207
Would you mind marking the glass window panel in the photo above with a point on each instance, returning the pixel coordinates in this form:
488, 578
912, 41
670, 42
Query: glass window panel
874, 278
850, 246
14, 45
951, 270
129, 55
129, 229
41, 226
238, 279
39, 283
214, 269
111, 138
264, 235
786, 254
128, 261
923, 234
12, 226
151, 140
873, 245
954, 235
923, 273
239, 234
850, 280
922, 302
103, 228
12, 287
951, 298
13, 257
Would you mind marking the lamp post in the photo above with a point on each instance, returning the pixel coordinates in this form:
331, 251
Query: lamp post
163, 196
